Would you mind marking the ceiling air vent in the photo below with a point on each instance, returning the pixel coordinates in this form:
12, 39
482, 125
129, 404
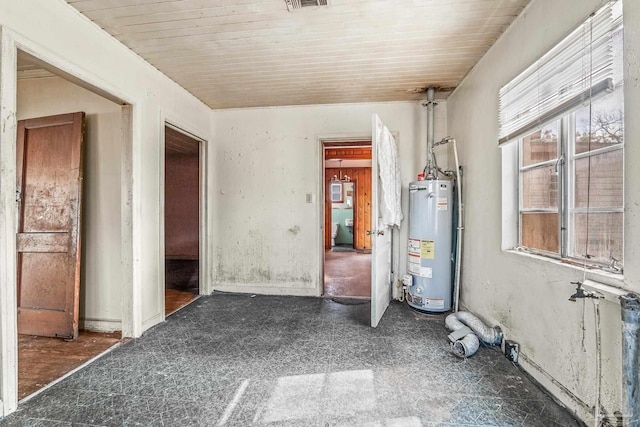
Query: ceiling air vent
301, 4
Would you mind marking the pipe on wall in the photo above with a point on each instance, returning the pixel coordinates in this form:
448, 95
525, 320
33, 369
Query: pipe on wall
456, 276
431, 169
630, 304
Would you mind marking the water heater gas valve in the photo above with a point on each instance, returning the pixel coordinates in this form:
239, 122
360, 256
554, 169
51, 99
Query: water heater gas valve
407, 280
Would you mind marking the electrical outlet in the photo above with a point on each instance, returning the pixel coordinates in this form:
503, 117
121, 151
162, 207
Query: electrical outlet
511, 350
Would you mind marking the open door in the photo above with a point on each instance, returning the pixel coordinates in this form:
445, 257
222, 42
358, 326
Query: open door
381, 234
49, 178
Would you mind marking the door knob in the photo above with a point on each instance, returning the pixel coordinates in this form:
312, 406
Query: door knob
379, 233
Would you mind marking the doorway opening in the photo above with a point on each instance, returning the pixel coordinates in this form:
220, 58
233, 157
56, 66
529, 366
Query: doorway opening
347, 218
68, 171
182, 213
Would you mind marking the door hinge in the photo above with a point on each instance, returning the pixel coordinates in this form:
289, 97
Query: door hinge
18, 196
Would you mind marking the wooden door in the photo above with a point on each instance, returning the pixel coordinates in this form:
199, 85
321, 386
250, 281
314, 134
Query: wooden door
49, 177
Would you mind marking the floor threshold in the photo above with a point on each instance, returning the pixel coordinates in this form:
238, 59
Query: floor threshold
71, 372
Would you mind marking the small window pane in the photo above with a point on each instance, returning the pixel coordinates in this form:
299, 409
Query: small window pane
540, 188
540, 146
605, 236
607, 180
540, 231
606, 126
336, 192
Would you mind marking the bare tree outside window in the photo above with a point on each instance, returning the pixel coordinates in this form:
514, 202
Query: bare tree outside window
597, 217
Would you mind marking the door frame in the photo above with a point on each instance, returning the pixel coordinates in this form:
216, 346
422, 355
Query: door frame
204, 286
321, 178
10, 43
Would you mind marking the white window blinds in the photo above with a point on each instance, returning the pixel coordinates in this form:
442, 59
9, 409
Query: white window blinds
573, 71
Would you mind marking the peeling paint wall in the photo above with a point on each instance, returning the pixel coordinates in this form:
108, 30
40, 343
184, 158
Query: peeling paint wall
266, 161
100, 291
525, 295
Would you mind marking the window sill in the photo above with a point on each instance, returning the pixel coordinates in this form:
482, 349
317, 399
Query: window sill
605, 278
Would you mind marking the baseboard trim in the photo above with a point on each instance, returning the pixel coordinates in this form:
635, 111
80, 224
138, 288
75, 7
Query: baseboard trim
100, 325
266, 290
152, 321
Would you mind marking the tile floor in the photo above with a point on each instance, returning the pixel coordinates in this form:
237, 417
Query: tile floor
233, 360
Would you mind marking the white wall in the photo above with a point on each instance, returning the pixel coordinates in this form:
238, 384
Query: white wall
100, 287
265, 162
525, 295
56, 33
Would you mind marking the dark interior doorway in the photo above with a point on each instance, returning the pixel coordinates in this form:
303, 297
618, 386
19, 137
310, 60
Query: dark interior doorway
181, 219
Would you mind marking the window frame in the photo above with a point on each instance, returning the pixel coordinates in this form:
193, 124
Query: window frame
572, 157
553, 162
579, 70
566, 172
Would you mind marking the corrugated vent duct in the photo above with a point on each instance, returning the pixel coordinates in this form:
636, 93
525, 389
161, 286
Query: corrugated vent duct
300, 4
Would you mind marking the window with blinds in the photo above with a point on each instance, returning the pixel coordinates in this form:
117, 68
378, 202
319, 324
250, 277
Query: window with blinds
577, 69
566, 115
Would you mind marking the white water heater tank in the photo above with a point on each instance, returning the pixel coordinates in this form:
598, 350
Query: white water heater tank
429, 257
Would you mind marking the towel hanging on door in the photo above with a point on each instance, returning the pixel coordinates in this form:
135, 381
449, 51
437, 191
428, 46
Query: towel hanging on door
389, 173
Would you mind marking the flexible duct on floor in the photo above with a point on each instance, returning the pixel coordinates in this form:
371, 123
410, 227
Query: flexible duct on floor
631, 357
468, 345
490, 336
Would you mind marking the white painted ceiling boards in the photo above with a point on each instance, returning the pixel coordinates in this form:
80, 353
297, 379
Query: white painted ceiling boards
243, 53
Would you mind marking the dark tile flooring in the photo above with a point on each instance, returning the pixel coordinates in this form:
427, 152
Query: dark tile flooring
235, 360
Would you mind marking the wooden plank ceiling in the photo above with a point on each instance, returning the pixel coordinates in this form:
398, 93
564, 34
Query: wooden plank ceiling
246, 53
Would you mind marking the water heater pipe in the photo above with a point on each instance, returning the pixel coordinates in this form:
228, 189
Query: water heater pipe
431, 169
631, 357
458, 174
456, 275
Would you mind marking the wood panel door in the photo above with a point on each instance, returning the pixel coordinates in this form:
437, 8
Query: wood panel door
49, 178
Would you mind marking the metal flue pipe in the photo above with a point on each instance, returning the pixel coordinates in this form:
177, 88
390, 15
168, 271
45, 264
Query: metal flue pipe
431, 169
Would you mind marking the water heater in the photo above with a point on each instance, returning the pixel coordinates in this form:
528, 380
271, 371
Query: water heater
429, 255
